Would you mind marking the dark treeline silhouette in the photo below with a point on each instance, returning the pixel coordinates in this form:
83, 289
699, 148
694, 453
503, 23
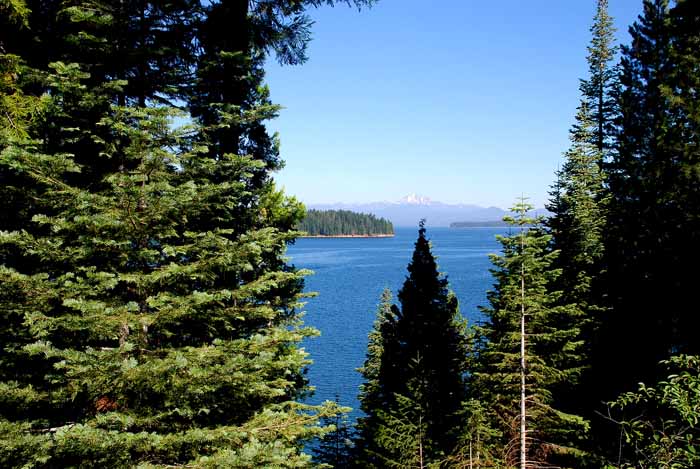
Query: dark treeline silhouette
343, 222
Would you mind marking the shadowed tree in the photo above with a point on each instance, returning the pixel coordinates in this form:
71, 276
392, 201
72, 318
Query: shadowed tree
415, 367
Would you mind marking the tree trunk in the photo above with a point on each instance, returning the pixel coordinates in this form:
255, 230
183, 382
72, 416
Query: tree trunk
523, 423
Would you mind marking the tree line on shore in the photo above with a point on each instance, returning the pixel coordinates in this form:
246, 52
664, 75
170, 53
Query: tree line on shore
343, 222
150, 319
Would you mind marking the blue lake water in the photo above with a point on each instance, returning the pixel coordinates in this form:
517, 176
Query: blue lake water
349, 276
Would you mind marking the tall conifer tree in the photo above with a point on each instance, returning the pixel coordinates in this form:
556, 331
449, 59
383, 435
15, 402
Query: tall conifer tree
415, 370
600, 88
525, 315
579, 203
655, 200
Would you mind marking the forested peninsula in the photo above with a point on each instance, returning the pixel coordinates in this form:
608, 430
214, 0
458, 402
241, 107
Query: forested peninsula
344, 224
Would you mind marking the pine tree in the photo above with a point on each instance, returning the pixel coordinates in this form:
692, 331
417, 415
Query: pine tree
524, 353
579, 197
415, 368
372, 395
148, 315
578, 205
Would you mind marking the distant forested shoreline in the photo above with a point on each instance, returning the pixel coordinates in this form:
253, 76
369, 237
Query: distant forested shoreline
344, 223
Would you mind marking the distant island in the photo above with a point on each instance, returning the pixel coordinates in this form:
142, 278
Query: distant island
344, 224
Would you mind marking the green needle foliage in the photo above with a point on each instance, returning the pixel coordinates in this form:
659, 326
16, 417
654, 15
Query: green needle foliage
524, 279
578, 203
655, 196
165, 343
414, 371
147, 315
336, 447
372, 391
601, 87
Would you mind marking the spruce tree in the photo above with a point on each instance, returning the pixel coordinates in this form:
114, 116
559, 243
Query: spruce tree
415, 370
578, 207
372, 395
579, 197
524, 352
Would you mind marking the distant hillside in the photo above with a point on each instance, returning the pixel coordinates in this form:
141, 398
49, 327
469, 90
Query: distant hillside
344, 223
411, 209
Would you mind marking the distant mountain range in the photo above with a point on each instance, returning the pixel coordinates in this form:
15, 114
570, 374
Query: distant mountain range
410, 209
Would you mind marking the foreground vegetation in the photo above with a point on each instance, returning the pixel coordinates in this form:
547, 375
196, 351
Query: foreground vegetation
149, 318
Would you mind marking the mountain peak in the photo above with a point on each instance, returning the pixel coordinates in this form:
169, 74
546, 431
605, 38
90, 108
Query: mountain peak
415, 199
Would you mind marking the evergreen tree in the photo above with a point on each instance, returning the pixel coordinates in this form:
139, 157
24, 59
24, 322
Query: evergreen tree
371, 394
415, 368
148, 315
336, 447
579, 196
524, 353
400, 437
578, 206
599, 90
578, 209
655, 201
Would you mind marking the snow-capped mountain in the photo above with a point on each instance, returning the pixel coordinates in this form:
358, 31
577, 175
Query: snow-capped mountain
414, 199
409, 210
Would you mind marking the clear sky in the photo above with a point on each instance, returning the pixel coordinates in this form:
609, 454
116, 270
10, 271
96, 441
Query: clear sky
458, 100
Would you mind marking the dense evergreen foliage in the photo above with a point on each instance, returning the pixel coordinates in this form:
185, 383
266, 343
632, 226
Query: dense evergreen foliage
528, 347
337, 447
343, 222
148, 316
414, 371
579, 202
654, 212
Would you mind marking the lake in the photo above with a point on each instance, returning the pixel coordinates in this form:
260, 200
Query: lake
349, 276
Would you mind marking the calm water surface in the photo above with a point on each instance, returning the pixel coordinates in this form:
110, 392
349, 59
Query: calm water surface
349, 277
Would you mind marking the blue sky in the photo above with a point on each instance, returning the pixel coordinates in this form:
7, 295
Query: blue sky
459, 100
